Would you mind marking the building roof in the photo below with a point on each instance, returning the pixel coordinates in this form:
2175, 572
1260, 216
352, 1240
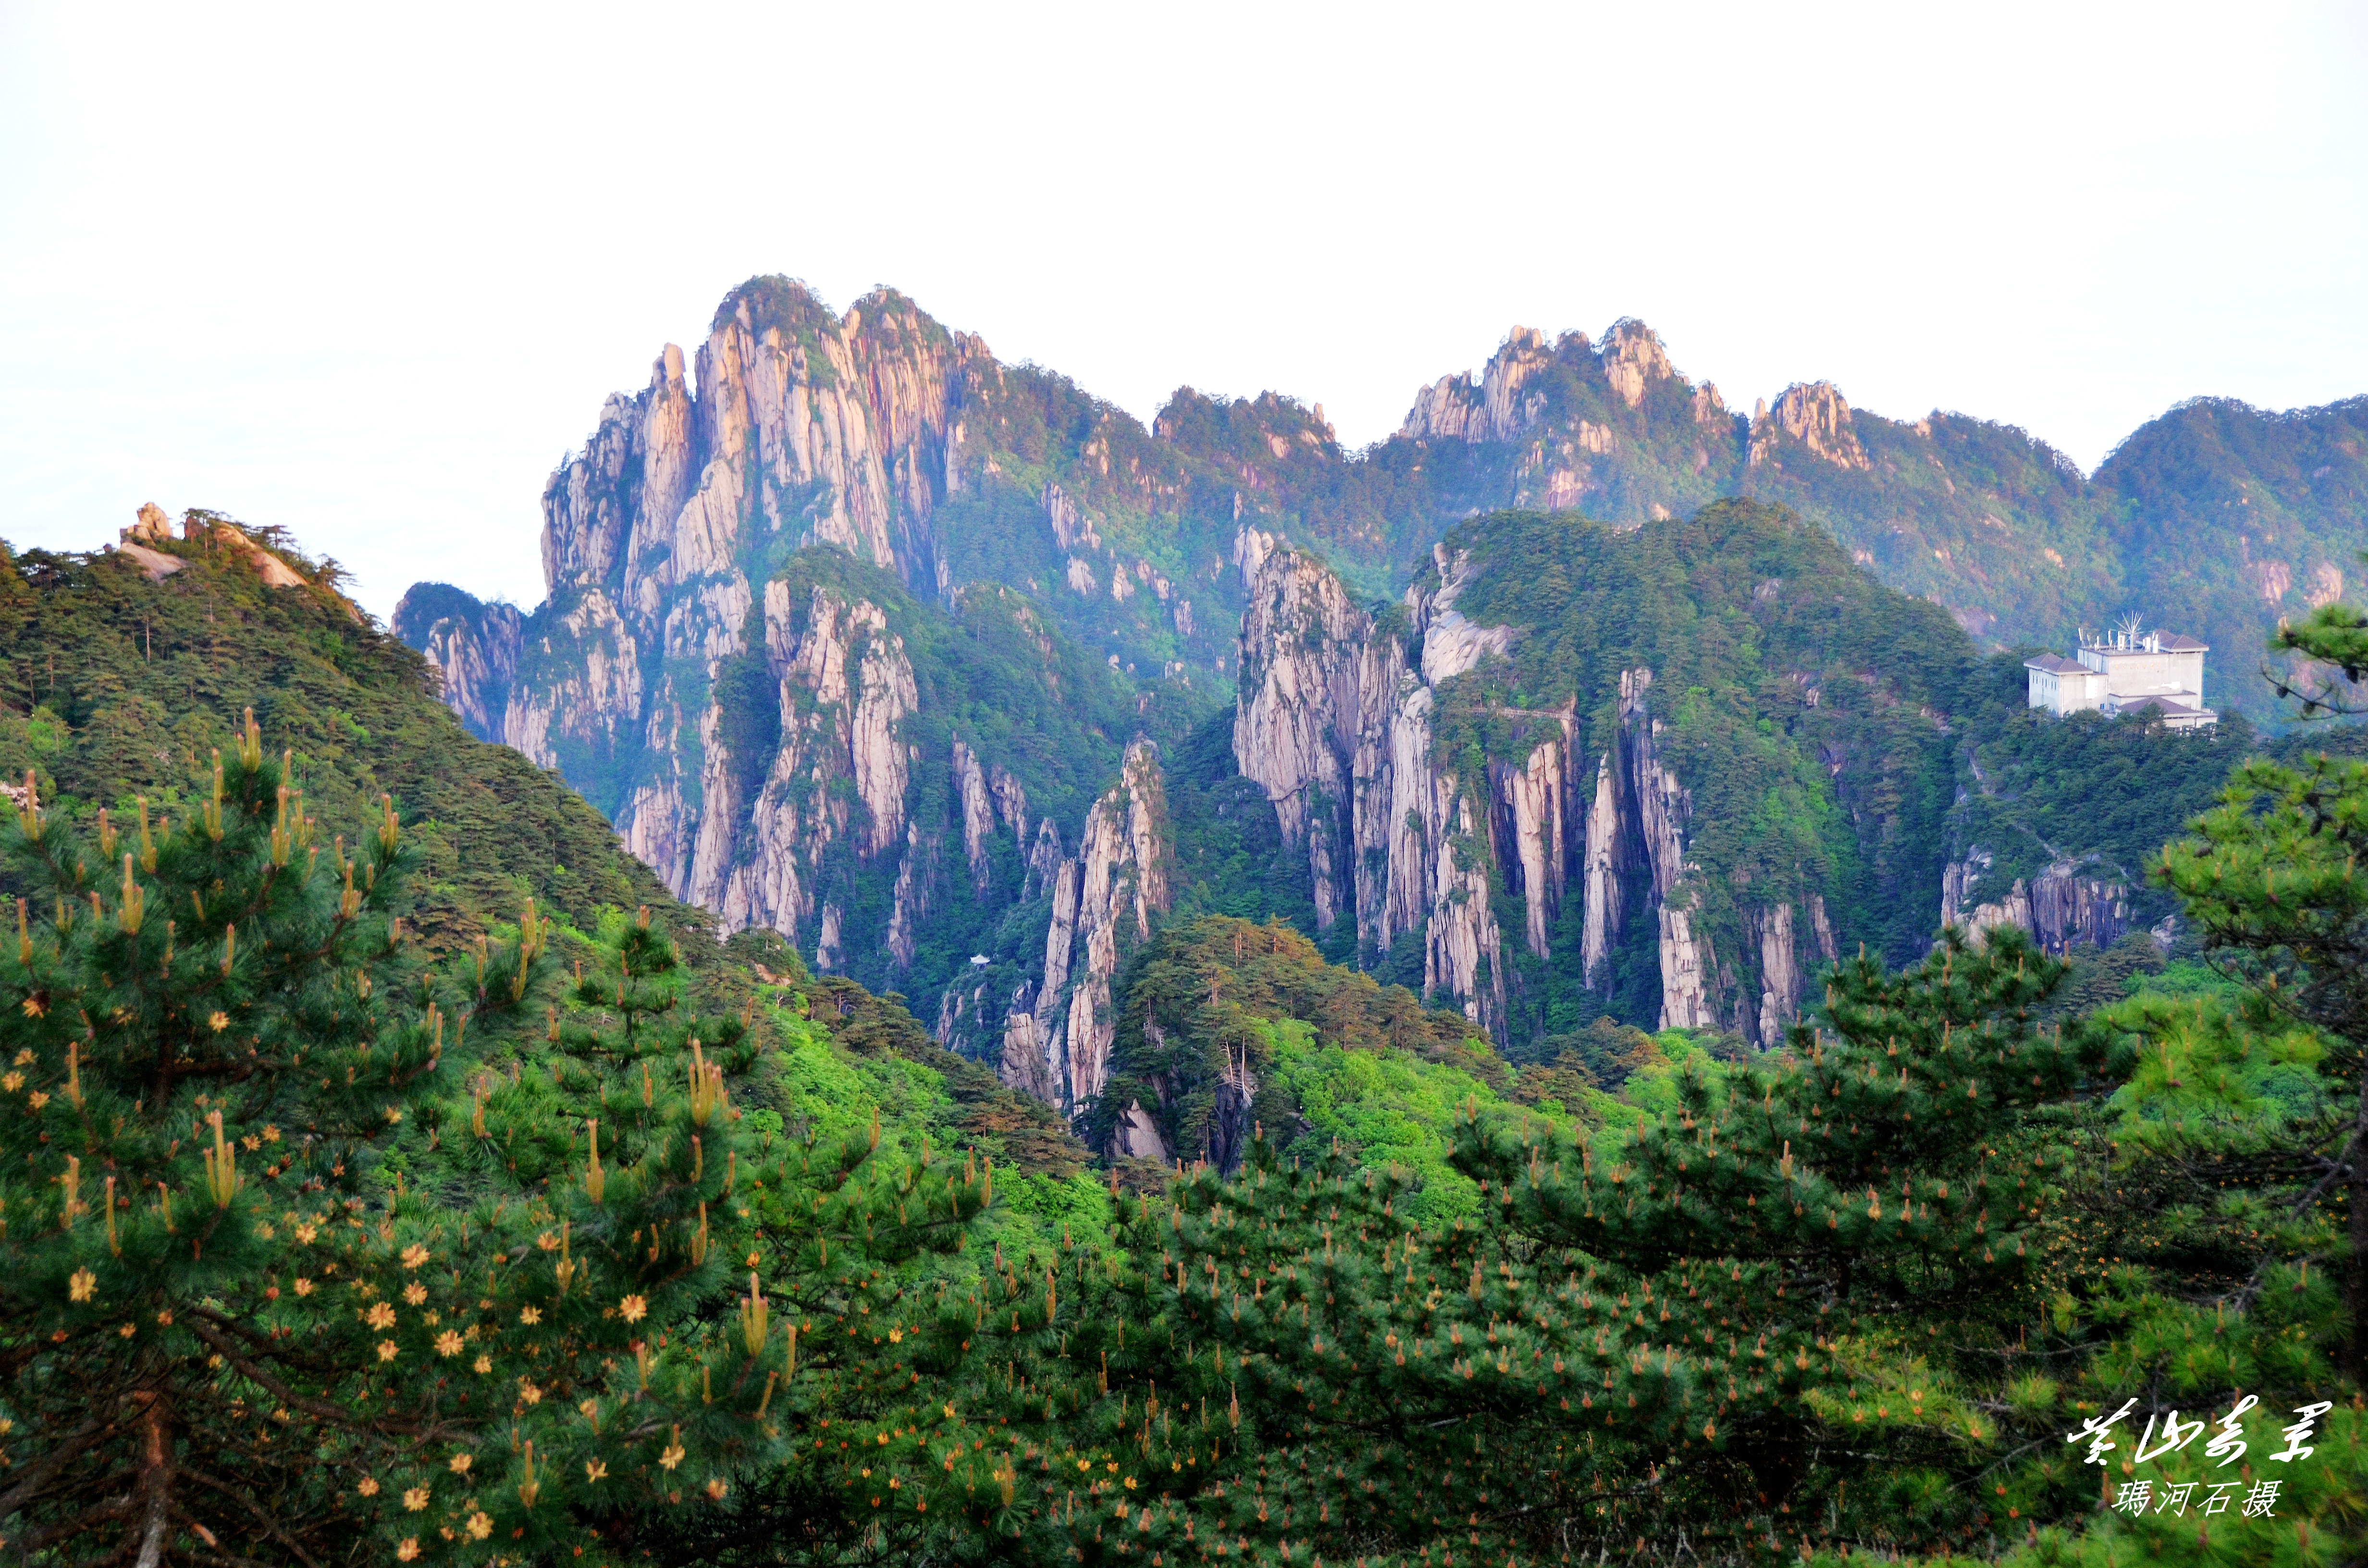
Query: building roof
2052, 665
2153, 642
2162, 705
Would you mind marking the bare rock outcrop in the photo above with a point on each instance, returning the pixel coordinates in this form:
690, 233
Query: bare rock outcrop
1515, 399
1601, 865
1453, 408
1571, 424
1231, 1127
475, 648
1760, 999
845, 689
1633, 359
1136, 1135
590, 695
1334, 719
1815, 414
1779, 974
150, 526
259, 549
2067, 908
477, 664
1313, 684
226, 535
1501, 407
2063, 906
978, 809
1664, 807
1058, 1050
1538, 795
793, 422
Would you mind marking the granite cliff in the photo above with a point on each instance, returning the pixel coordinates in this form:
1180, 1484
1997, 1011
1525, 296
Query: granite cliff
1057, 1034
1560, 842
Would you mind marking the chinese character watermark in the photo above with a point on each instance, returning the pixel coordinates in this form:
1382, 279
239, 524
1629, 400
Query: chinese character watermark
2095, 1429
2166, 1434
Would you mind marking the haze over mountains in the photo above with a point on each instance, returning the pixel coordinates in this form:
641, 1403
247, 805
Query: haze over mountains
960, 678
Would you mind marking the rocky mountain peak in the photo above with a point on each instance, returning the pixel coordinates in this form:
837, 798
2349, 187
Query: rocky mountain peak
1453, 408
1633, 359
1257, 437
773, 300
1816, 414
793, 424
796, 760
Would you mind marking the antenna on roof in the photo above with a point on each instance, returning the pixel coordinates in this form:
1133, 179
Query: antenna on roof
2128, 627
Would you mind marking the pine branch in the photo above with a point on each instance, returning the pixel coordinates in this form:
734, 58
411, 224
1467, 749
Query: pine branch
271, 1525
202, 1326
76, 1444
66, 1529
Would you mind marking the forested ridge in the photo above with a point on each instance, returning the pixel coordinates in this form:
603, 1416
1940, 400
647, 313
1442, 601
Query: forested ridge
405, 1176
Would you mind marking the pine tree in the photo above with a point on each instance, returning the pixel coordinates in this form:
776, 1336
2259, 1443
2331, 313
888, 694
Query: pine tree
2273, 882
730, 1319
1790, 1291
314, 1243
202, 1045
2228, 1215
2330, 661
1086, 1417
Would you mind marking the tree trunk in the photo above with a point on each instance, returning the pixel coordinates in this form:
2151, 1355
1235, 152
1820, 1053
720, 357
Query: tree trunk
155, 1478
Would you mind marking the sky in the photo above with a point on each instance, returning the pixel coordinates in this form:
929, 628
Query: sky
368, 272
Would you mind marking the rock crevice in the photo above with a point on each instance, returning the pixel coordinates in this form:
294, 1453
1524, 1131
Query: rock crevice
1058, 1048
1334, 719
2063, 906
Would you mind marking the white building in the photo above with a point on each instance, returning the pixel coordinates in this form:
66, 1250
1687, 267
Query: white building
2126, 671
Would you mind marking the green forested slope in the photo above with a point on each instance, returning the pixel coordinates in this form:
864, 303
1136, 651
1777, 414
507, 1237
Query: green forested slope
116, 687
1833, 737
2229, 518
119, 687
1977, 515
2098, 794
1211, 999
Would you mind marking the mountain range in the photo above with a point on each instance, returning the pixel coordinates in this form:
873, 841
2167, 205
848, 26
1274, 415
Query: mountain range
1582, 695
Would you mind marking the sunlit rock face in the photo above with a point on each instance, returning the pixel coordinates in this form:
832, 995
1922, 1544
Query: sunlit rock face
1104, 898
1334, 719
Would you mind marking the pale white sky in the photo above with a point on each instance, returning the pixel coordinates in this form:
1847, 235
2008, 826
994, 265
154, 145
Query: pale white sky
368, 273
